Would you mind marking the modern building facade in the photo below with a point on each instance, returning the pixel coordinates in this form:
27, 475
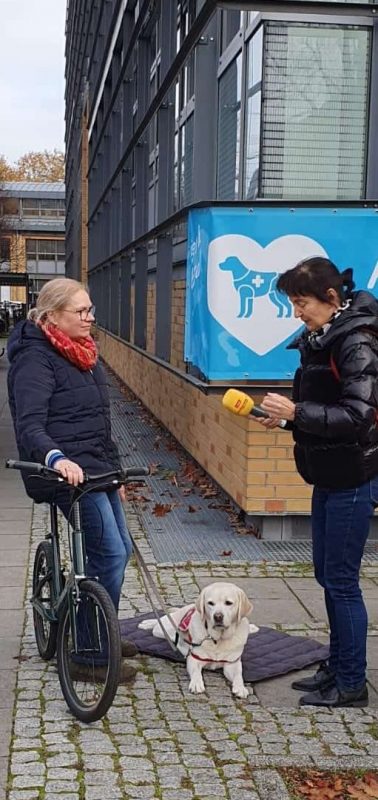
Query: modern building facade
180, 102
32, 235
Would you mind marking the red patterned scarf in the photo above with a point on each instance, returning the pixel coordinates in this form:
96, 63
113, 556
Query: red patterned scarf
81, 352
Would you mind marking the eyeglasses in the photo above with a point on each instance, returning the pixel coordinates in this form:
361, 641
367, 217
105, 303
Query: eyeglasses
83, 313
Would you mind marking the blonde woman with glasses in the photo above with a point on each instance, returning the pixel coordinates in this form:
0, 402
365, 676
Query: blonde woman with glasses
60, 407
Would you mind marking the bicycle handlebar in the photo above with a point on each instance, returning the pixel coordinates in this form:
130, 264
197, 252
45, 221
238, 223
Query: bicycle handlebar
119, 475
27, 465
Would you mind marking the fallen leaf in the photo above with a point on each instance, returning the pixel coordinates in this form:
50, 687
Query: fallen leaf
364, 789
210, 493
161, 509
154, 468
167, 474
226, 552
192, 509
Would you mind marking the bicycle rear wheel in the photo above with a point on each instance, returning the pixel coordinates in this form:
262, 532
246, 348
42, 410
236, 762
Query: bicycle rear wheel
89, 673
43, 591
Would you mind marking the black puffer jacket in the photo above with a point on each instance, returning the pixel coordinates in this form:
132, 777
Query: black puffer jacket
335, 427
56, 405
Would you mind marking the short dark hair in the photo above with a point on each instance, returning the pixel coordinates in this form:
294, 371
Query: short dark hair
315, 276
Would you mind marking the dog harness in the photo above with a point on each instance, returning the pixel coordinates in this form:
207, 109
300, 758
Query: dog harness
183, 629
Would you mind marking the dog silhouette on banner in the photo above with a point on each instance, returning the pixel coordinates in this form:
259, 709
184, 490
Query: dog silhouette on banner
250, 284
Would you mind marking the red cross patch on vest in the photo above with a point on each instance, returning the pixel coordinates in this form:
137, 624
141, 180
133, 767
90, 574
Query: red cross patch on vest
185, 621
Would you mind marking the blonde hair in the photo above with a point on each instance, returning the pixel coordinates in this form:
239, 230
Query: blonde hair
54, 296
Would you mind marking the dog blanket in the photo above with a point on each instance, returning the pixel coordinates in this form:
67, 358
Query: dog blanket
268, 652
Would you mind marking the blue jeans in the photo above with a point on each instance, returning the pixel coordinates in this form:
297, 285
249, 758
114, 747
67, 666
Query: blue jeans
107, 540
340, 527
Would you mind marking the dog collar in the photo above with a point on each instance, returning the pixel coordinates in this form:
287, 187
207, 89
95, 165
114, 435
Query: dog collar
214, 660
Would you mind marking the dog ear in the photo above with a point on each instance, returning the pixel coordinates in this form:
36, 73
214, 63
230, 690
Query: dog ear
245, 606
200, 603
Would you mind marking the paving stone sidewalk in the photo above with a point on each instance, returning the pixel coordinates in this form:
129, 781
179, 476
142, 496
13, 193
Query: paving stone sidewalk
158, 741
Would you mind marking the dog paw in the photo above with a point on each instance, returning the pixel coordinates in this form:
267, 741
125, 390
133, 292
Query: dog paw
253, 628
196, 687
241, 692
147, 624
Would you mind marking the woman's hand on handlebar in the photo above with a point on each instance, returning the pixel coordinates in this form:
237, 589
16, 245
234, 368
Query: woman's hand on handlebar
70, 471
122, 493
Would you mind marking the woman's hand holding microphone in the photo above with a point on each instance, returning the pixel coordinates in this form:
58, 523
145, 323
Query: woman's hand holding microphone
278, 407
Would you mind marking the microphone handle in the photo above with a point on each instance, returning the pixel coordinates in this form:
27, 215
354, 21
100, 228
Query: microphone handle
259, 412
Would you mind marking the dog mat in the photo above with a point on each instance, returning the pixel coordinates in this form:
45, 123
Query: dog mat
268, 652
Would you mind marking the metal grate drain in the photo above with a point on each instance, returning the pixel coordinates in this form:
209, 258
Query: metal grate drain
193, 530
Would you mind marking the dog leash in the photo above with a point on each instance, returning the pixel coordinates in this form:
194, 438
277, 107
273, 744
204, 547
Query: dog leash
151, 590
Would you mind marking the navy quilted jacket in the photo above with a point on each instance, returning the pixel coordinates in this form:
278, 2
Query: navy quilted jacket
56, 405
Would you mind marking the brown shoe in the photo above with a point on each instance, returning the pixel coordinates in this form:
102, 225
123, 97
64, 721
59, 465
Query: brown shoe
127, 673
128, 649
87, 673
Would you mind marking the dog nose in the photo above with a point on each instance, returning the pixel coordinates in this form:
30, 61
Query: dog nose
218, 617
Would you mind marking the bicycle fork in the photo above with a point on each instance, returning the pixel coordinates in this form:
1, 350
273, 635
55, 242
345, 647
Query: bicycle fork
77, 548
89, 614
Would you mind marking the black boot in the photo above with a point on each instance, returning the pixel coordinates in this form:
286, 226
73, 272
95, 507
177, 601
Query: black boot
321, 680
333, 697
129, 649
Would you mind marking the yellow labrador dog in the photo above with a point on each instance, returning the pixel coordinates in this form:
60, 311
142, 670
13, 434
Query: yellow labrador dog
211, 633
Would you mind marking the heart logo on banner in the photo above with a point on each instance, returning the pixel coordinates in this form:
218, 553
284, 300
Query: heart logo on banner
241, 295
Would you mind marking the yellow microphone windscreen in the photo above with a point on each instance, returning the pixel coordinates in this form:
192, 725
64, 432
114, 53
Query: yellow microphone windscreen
238, 402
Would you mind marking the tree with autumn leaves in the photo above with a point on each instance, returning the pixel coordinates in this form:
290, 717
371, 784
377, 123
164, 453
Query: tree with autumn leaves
34, 166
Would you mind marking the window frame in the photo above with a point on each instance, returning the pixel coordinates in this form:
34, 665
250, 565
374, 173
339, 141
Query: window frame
239, 44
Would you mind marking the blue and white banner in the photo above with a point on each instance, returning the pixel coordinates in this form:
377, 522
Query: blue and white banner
237, 324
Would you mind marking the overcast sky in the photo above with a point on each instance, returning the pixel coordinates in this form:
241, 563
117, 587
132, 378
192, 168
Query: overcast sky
31, 76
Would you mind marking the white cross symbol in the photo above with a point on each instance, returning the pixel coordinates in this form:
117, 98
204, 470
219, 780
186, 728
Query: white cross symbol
258, 281
373, 277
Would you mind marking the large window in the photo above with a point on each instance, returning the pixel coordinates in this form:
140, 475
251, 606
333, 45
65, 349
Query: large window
184, 119
5, 250
45, 256
229, 119
316, 96
253, 116
43, 208
230, 23
186, 163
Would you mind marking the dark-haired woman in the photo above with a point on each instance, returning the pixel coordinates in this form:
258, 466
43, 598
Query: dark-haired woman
333, 416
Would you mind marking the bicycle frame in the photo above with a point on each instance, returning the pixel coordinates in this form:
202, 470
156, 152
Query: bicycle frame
71, 588
75, 575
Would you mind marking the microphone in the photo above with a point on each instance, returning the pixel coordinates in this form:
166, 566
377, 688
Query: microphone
240, 403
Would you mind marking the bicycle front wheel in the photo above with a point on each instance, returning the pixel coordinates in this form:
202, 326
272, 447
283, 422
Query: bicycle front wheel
89, 652
43, 592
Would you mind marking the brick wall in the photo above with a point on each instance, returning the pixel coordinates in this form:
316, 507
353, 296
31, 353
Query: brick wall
254, 466
132, 312
151, 316
18, 264
178, 323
